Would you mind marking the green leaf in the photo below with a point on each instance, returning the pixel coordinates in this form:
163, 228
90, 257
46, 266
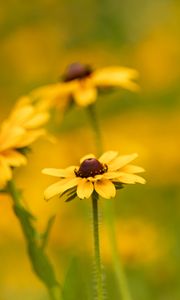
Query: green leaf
24, 150
68, 192
70, 198
118, 185
42, 265
74, 284
25, 219
39, 259
45, 235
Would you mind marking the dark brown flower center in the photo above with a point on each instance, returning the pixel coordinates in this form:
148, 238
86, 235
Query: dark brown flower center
90, 167
76, 71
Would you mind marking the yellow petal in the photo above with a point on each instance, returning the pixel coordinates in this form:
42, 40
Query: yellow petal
131, 86
54, 91
96, 177
108, 156
121, 161
87, 157
132, 169
105, 188
85, 94
53, 190
131, 178
11, 137
38, 120
21, 115
50, 90
29, 137
44, 104
68, 172
59, 187
14, 158
84, 188
111, 175
23, 101
116, 76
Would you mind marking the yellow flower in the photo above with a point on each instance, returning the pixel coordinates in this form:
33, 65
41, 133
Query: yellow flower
81, 84
103, 175
28, 120
9, 155
21, 129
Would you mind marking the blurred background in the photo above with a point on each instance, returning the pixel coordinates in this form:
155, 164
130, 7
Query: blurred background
38, 39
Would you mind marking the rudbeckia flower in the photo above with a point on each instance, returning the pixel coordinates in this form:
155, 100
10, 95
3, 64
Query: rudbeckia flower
20, 130
103, 176
81, 84
28, 120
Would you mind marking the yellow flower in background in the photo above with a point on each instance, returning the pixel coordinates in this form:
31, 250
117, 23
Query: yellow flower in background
81, 84
20, 130
28, 120
103, 175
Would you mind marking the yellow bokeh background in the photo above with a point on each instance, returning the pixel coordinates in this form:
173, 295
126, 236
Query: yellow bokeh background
38, 40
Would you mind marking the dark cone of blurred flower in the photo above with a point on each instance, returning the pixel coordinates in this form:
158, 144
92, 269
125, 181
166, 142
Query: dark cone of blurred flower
76, 71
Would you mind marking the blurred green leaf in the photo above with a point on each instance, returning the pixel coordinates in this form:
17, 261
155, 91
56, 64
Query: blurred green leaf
39, 259
45, 235
74, 286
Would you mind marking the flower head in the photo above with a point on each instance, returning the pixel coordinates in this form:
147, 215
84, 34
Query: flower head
18, 131
103, 176
80, 83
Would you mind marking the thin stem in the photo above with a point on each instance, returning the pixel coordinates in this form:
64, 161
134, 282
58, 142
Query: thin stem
121, 277
95, 127
98, 266
39, 260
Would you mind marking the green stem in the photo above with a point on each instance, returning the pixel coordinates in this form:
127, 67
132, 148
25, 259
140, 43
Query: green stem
95, 127
121, 277
98, 266
39, 260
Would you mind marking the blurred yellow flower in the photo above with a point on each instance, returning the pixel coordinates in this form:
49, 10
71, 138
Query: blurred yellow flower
81, 84
21, 129
103, 175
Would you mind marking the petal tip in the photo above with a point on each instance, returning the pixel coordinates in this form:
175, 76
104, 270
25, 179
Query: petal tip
43, 171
